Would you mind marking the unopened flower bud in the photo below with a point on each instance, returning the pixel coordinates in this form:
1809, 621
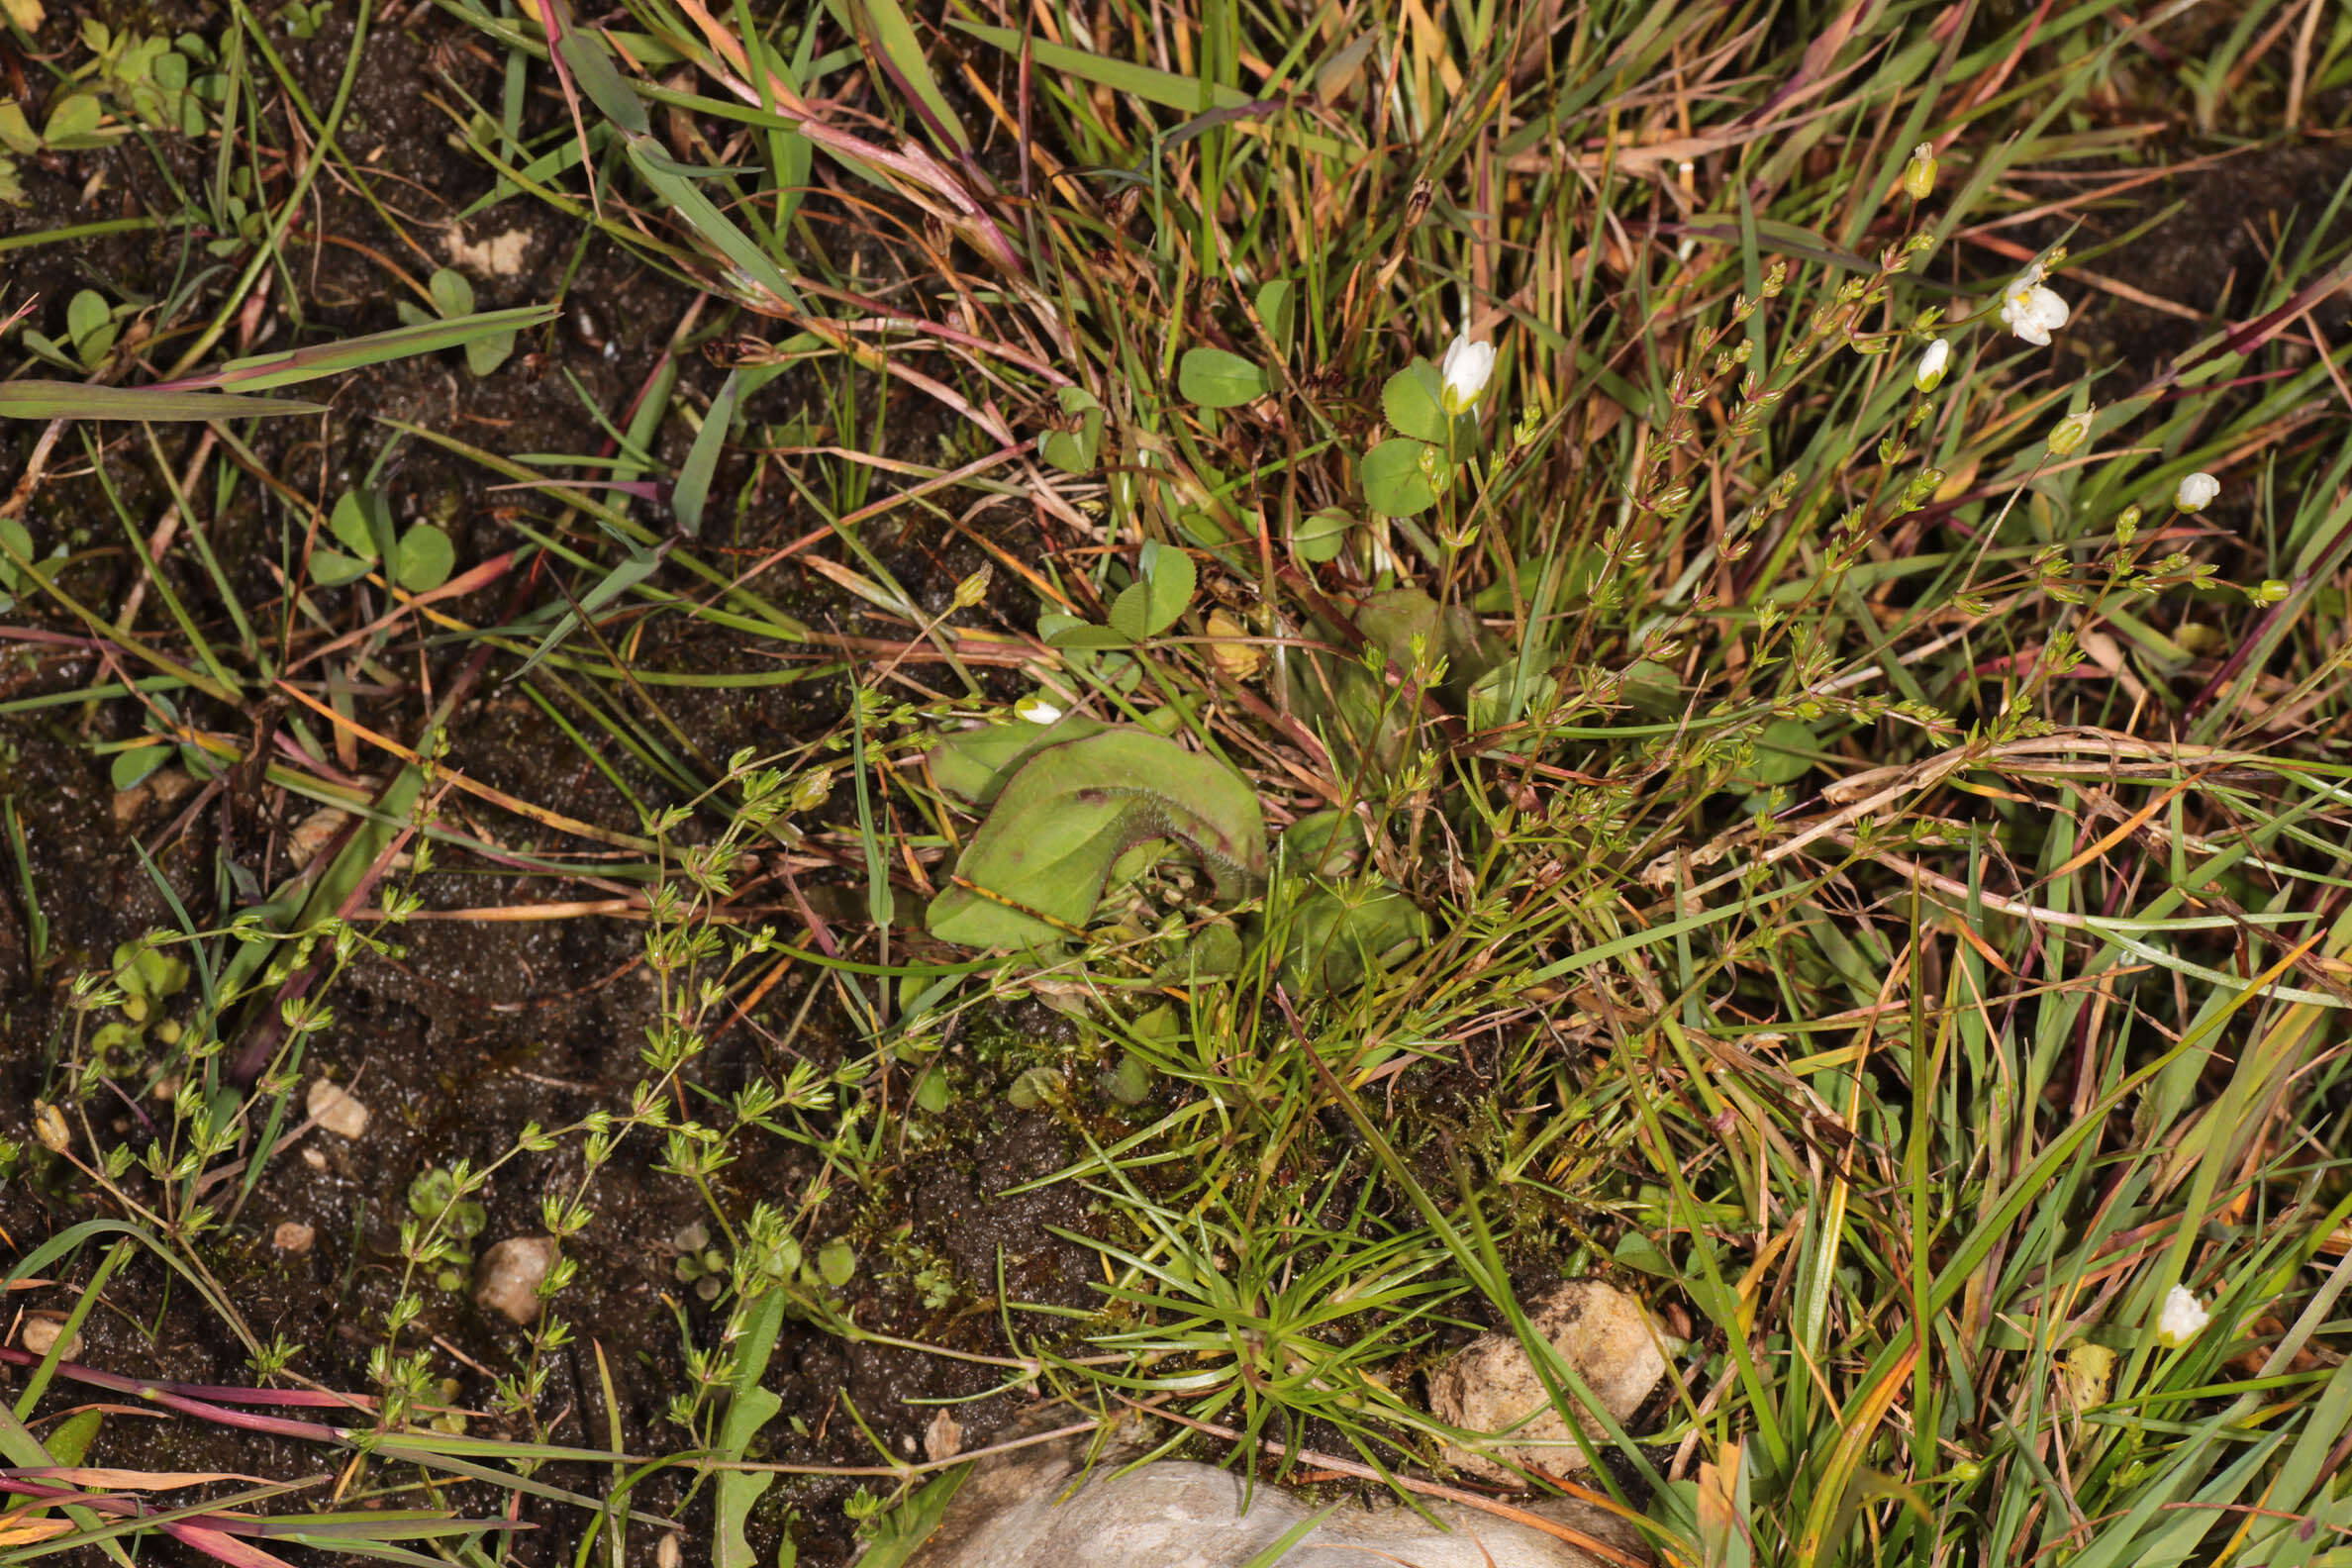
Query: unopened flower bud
2197, 492
1932, 365
2071, 433
1918, 175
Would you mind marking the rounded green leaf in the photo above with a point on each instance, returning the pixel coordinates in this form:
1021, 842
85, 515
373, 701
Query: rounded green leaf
331, 569
349, 524
453, 293
1216, 378
1394, 483
1320, 535
136, 764
1411, 400
426, 558
1784, 752
1168, 580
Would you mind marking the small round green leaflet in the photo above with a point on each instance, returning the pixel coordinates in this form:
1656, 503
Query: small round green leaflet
1412, 400
1074, 450
1395, 485
1320, 535
1150, 605
424, 558
1784, 752
1218, 378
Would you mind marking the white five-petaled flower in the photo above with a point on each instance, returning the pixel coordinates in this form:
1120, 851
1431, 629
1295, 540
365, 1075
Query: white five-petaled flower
1036, 710
1466, 367
1932, 365
2197, 492
2181, 1319
2031, 308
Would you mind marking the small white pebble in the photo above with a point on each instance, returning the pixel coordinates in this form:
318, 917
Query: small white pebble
293, 1237
333, 1108
668, 1553
316, 1159
2181, 1319
508, 1278
40, 1334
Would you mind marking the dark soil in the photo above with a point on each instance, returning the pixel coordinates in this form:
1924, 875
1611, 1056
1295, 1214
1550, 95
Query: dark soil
471, 1027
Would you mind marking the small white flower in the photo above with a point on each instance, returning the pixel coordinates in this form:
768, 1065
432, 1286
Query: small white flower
1932, 365
1036, 710
2197, 492
2033, 310
2181, 1319
1466, 367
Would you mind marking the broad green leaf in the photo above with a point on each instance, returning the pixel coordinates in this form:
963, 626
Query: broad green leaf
837, 1261
1071, 811
1130, 613
485, 355
1320, 535
86, 316
1074, 450
1217, 378
1784, 752
73, 123
973, 765
1394, 483
331, 569
426, 559
1150, 606
452, 294
349, 524
1411, 402
1168, 578
1324, 843
1068, 632
129, 767
16, 132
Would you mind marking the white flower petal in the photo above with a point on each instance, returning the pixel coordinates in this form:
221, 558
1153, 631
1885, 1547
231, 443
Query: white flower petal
2181, 1319
1466, 369
2034, 312
2197, 492
1036, 710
